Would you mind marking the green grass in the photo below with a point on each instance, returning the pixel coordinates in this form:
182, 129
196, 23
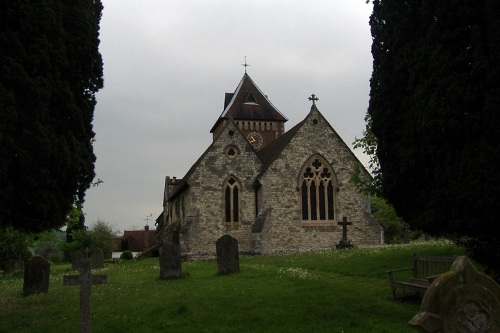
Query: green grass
331, 291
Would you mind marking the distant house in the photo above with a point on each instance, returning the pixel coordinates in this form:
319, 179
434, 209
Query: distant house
141, 241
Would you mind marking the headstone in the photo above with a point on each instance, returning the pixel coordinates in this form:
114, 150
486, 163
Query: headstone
344, 242
97, 258
76, 260
462, 300
9, 266
85, 280
170, 261
228, 260
36, 276
406, 236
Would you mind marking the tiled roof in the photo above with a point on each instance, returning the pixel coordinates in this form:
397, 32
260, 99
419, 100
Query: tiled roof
248, 102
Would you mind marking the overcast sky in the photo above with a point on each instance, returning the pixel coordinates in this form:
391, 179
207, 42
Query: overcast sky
167, 65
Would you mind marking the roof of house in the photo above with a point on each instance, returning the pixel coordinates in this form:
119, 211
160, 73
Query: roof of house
137, 239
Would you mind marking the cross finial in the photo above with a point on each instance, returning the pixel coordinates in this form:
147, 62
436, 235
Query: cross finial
313, 98
245, 64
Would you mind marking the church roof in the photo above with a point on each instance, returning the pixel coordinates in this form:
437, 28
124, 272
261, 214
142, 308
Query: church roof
248, 102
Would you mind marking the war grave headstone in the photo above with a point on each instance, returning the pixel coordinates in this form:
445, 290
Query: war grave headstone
170, 261
228, 260
406, 236
97, 258
36, 276
85, 280
462, 300
76, 259
344, 242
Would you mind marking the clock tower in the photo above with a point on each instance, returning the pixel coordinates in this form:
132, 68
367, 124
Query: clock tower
256, 117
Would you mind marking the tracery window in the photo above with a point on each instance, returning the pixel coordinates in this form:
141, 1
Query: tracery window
232, 201
317, 183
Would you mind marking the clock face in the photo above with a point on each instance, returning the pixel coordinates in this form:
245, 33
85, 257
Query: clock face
255, 139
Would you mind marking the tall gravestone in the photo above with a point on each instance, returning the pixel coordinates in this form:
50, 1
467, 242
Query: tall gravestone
36, 276
97, 258
462, 300
170, 261
228, 260
76, 260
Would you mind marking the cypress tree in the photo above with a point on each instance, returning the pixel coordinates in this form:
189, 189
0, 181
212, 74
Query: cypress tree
50, 70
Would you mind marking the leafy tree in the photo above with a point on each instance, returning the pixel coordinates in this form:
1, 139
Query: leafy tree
433, 115
50, 71
102, 235
14, 245
388, 219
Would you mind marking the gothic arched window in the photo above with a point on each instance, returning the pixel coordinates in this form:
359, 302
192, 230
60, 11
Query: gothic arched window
232, 201
317, 182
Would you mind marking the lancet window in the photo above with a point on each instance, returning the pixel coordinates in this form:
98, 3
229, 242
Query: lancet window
232, 201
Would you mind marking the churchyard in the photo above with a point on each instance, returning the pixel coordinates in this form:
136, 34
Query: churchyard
330, 291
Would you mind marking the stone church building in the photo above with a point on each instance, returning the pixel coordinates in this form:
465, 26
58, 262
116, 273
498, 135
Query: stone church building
275, 191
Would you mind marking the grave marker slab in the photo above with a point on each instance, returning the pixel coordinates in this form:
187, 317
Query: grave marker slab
97, 258
228, 260
170, 261
462, 300
36, 276
85, 280
76, 260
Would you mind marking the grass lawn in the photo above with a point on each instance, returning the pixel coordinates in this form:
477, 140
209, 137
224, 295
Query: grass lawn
331, 291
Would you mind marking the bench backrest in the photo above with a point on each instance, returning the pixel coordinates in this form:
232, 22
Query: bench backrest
429, 266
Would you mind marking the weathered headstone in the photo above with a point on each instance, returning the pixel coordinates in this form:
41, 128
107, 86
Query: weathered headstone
462, 300
76, 260
36, 276
344, 242
228, 260
97, 258
170, 261
406, 236
85, 280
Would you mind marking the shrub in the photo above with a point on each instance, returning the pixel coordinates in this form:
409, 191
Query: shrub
127, 255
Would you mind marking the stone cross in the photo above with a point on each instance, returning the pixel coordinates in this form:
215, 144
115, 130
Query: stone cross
344, 243
85, 280
313, 98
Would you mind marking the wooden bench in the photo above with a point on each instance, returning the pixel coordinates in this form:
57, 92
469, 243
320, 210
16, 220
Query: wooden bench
424, 271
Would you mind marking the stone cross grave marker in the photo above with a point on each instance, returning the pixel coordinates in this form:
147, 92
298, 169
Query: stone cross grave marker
97, 258
228, 260
170, 261
344, 243
462, 300
85, 280
36, 276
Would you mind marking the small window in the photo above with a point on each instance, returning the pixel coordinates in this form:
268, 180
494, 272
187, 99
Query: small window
232, 202
231, 151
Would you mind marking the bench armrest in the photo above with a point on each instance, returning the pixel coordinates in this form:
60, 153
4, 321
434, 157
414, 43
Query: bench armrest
392, 271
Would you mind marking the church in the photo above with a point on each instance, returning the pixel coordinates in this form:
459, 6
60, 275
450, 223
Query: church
275, 191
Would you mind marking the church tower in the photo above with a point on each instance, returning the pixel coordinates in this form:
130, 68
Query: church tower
257, 118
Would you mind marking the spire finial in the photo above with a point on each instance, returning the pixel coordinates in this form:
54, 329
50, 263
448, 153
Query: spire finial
245, 64
313, 98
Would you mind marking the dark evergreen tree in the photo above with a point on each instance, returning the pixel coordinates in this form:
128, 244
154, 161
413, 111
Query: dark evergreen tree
50, 70
434, 115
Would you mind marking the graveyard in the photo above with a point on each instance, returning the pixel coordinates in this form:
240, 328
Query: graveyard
344, 290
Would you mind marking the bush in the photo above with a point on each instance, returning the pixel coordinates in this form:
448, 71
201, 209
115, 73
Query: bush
127, 255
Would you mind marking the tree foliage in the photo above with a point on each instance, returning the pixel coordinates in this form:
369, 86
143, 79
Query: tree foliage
50, 70
102, 235
433, 113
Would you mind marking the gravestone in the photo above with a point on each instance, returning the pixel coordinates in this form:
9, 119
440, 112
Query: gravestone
85, 280
170, 261
406, 236
344, 242
462, 300
76, 260
97, 258
228, 260
36, 276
